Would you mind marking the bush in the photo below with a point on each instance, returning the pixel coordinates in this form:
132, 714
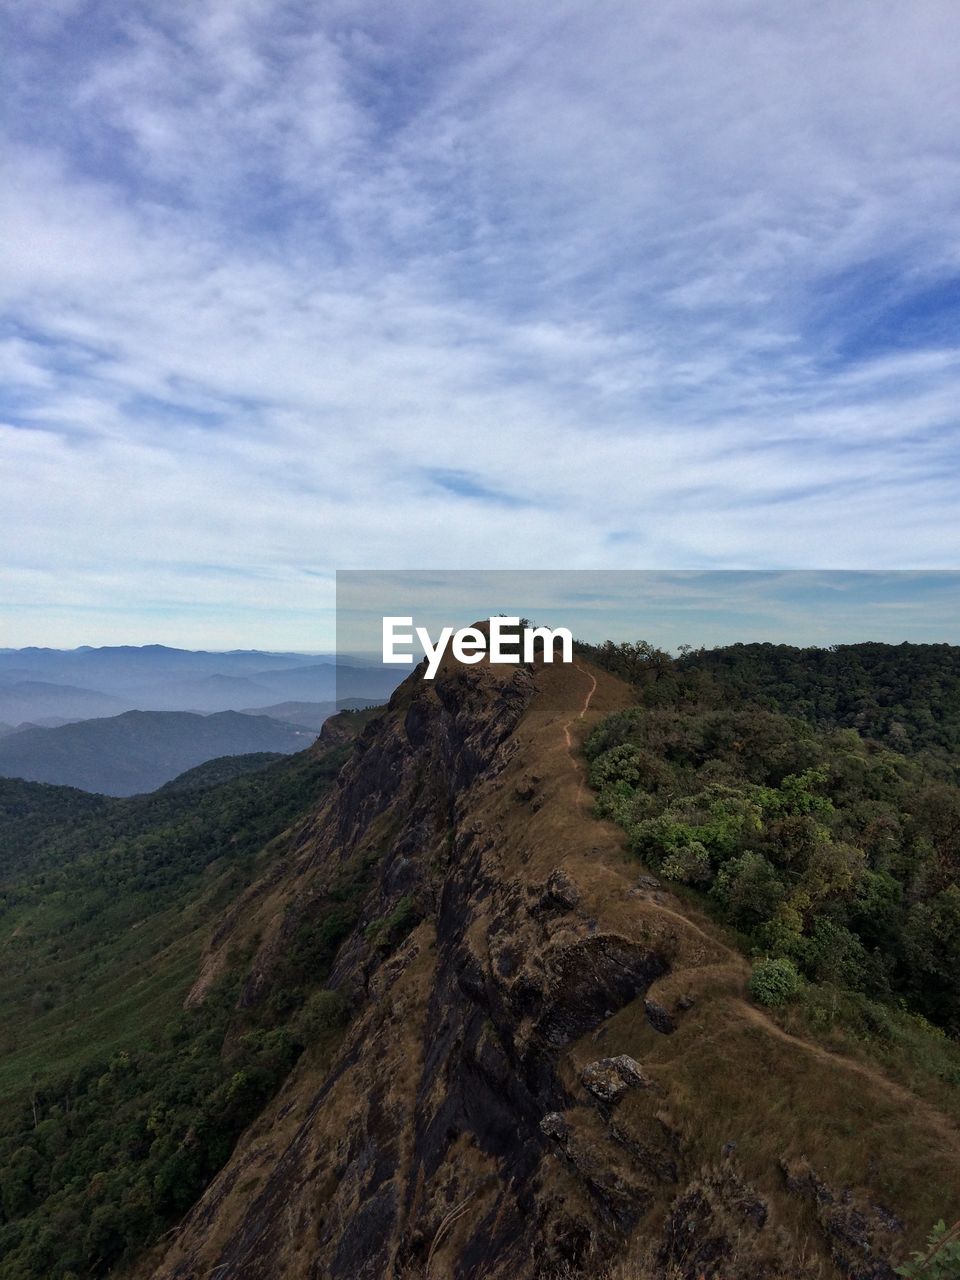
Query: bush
387, 932
833, 954
619, 764
324, 1012
940, 1260
774, 982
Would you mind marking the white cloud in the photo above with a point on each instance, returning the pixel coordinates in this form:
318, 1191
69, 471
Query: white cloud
270, 269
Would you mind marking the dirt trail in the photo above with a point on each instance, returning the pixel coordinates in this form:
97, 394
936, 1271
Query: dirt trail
714, 941
945, 1127
568, 736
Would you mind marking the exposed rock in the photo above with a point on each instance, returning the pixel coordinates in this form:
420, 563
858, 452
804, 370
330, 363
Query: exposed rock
555, 1126
560, 892
861, 1236
716, 1230
659, 1018
526, 788
622, 1187
589, 980
609, 1078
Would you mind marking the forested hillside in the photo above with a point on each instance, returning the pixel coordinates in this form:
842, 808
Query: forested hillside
831, 856
116, 1103
140, 750
906, 696
809, 795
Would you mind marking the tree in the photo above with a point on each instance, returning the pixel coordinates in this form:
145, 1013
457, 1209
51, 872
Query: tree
774, 981
749, 889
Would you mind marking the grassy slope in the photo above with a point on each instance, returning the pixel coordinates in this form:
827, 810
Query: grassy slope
107, 906
878, 1118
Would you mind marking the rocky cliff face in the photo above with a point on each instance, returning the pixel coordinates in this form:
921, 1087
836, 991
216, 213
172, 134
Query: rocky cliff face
551, 1069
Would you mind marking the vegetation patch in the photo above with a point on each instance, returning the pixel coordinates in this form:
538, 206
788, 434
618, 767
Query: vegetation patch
836, 855
774, 981
390, 930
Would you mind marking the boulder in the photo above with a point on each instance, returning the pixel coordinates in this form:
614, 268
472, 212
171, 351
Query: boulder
608, 1079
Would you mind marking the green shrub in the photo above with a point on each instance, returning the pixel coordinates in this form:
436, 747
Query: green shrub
390, 930
749, 889
612, 732
941, 1258
833, 954
774, 982
619, 764
323, 1013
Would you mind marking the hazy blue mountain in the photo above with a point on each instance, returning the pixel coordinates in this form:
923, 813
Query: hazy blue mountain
33, 700
211, 693
114, 665
310, 714
80, 684
370, 684
140, 750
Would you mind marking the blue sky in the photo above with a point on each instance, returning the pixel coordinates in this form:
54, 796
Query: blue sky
290, 287
668, 608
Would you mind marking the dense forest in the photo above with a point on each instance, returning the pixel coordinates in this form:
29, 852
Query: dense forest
906, 696
117, 1105
810, 796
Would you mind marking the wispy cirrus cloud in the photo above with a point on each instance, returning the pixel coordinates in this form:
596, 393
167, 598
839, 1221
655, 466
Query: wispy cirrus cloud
290, 288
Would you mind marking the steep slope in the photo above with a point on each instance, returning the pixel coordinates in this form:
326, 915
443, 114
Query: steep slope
552, 1067
140, 750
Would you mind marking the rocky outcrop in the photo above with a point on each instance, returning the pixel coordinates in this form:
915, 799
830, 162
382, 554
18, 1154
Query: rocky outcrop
610, 1078
862, 1236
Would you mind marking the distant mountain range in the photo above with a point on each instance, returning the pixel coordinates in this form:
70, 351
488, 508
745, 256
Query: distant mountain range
310, 715
138, 751
49, 685
39, 700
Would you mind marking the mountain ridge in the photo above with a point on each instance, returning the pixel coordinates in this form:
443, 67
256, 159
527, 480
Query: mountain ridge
138, 751
504, 956
78, 684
